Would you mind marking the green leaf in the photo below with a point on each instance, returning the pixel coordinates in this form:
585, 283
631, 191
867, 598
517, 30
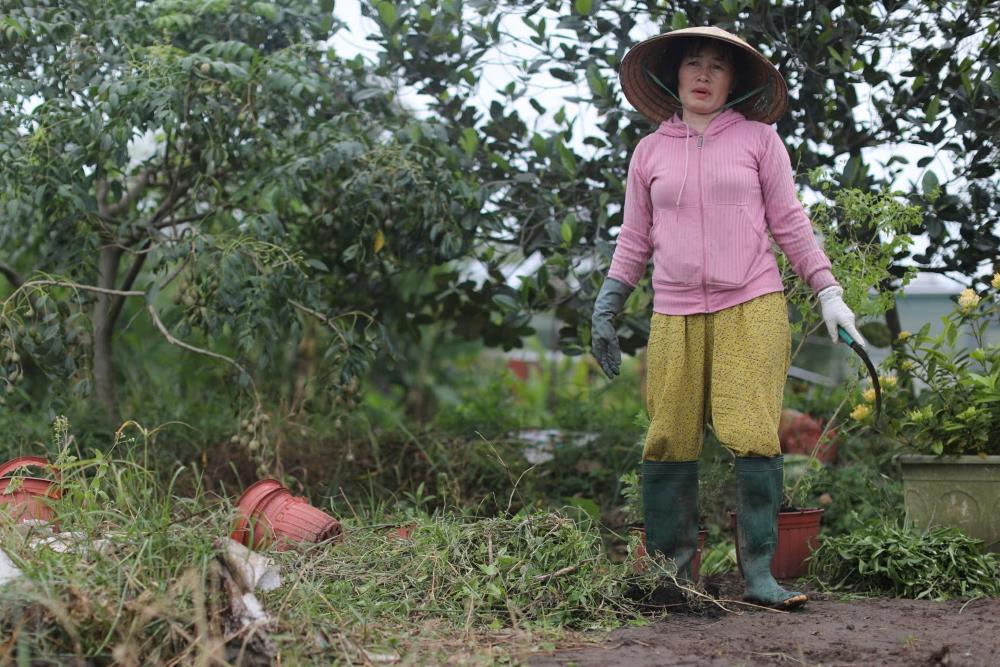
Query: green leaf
151, 293
387, 12
567, 231
930, 184
506, 301
930, 114
469, 141
679, 20
584, 6
597, 83
566, 158
562, 74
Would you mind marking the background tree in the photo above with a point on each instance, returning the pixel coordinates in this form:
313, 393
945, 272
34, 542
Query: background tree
216, 170
861, 75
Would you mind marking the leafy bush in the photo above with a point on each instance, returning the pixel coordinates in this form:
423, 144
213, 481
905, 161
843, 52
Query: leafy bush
887, 559
959, 407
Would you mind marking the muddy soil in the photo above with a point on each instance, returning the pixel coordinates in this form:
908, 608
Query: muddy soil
828, 632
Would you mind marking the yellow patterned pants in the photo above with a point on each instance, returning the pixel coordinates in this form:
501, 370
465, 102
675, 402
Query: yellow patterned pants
730, 367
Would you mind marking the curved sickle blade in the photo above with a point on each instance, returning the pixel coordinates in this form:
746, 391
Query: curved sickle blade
860, 351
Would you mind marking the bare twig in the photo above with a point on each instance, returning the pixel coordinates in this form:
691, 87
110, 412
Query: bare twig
557, 573
158, 323
75, 286
329, 321
177, 272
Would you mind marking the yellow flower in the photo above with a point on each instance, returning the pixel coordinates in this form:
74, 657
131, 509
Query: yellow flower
906, 364
903, 335
860, 412
968, 299
869, 395
887, 380
996, 280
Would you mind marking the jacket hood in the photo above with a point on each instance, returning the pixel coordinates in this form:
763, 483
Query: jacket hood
675, 127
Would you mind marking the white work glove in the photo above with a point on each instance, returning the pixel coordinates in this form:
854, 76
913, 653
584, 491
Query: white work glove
836, 312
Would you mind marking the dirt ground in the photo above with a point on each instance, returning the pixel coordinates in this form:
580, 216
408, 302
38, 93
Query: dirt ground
828, 632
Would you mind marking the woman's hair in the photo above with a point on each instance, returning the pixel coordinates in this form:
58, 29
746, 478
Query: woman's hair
670, 62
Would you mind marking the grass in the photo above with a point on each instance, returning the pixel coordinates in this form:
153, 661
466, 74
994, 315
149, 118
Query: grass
142, 583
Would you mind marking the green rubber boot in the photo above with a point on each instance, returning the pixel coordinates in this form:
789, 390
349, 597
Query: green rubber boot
758, 497
670, 509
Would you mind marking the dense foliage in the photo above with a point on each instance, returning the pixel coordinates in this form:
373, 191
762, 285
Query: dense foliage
957, 371
213, 174
862, 76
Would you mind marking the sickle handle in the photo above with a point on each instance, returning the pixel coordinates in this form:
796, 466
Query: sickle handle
860, 351
844, 336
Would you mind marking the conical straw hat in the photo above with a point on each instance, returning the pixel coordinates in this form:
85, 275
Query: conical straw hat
658, 105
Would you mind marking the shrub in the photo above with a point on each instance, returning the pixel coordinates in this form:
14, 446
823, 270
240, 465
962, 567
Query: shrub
958, 409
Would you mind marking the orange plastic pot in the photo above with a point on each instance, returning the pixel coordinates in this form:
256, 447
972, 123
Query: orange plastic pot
798, 536
640, 566
404, 532
269, 515
27, 498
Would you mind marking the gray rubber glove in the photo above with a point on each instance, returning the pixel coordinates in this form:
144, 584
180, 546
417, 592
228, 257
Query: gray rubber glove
604, 339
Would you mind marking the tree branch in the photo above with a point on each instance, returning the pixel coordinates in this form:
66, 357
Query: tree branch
132, 193
74, 286
187, 346
11, 274
119, 301
155, 222
172, 222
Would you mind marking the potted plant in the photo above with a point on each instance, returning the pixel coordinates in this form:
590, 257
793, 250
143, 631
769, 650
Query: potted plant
952, 426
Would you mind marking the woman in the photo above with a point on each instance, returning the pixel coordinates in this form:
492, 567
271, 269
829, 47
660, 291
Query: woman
704, 192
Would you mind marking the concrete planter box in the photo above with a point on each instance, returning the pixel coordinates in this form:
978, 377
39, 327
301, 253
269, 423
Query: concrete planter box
959, 491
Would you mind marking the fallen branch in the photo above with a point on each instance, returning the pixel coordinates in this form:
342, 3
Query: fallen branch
557, 573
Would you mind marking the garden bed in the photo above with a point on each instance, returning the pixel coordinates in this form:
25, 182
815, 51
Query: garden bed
829, 631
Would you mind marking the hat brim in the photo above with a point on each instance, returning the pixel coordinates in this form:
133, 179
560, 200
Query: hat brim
656, 104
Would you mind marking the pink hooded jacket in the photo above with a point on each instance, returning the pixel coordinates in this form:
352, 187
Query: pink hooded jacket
702, 207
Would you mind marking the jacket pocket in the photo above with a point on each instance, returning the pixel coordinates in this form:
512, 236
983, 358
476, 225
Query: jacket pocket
733, 245
676, 239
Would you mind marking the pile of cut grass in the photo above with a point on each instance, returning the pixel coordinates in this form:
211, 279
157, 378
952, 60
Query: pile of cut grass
141, 583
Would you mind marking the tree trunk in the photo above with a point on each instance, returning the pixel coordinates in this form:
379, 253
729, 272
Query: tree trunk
104, 368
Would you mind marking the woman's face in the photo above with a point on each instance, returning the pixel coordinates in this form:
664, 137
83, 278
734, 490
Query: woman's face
704, 80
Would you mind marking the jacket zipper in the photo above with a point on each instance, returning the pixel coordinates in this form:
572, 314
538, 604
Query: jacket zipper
701, 211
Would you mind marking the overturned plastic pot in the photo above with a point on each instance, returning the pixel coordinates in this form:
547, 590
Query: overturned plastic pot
269, 516
27, 498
